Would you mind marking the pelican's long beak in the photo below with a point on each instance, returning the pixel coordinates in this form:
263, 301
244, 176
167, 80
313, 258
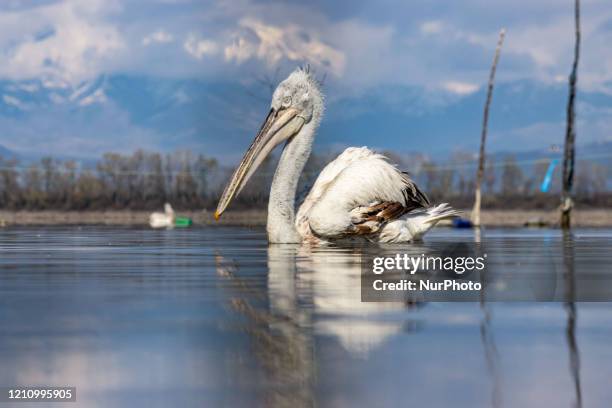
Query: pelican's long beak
279, 126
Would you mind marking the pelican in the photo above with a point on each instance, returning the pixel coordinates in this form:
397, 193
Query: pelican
359, 195
163, 220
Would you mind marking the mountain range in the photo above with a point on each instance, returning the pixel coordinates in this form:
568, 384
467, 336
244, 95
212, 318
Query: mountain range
126, 112
4, 152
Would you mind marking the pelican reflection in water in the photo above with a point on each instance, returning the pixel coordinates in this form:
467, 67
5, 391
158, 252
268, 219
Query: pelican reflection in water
308, 293
303, 282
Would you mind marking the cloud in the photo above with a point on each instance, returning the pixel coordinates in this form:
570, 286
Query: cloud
199, 48
69, 41
271, 44
158, 37
460, 88
97, 96
431, 27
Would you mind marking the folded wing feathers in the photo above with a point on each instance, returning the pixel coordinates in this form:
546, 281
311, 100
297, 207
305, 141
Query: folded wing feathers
368, 220
412, 193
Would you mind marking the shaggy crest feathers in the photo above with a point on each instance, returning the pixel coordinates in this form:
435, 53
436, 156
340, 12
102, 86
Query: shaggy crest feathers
304, 73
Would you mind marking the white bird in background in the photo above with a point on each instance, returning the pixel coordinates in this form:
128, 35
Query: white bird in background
163, 220
358, 195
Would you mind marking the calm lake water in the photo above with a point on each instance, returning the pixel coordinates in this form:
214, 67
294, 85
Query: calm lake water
214, 317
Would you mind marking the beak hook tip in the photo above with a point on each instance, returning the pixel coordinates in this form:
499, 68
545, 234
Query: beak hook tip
217, 215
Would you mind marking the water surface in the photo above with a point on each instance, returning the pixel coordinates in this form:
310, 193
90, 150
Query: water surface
215, 317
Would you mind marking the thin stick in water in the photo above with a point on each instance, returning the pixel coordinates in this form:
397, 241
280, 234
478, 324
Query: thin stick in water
483, 138
569, 153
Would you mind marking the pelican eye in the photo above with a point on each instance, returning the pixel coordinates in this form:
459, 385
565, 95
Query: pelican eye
286, 100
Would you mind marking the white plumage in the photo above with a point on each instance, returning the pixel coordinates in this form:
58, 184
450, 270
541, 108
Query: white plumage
358, 195
163, 220
356, 178
355, 181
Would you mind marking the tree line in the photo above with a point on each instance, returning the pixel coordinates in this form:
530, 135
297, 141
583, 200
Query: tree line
146, 180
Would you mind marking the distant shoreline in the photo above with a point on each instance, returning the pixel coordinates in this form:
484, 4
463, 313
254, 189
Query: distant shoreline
124, 217
493, 218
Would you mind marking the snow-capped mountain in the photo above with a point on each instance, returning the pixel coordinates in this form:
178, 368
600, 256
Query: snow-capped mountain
5, 153
25, 96
127, 112
116, 113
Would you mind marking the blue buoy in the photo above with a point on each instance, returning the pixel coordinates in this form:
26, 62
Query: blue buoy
548, 177
462, 223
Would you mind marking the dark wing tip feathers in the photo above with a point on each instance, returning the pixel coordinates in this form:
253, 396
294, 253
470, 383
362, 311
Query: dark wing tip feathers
372, 218
414, 197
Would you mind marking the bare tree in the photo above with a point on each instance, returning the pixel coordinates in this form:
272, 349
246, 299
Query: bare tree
10, 190
155, 189
431, 176
483, 137
489, 178
512, 179
569, 153
32, 187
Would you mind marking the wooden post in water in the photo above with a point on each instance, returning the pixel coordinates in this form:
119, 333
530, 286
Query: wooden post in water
569, 152
483, 137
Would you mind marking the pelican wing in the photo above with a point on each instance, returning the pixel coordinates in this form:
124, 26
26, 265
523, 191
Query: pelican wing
357, 193
368, 220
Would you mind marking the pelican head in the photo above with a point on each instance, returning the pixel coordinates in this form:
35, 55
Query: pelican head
296, 102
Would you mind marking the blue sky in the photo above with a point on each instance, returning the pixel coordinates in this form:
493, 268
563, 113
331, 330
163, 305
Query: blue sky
84, 77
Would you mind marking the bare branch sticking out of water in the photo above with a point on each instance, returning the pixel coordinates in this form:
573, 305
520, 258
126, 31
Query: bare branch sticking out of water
569, 153
483, 138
